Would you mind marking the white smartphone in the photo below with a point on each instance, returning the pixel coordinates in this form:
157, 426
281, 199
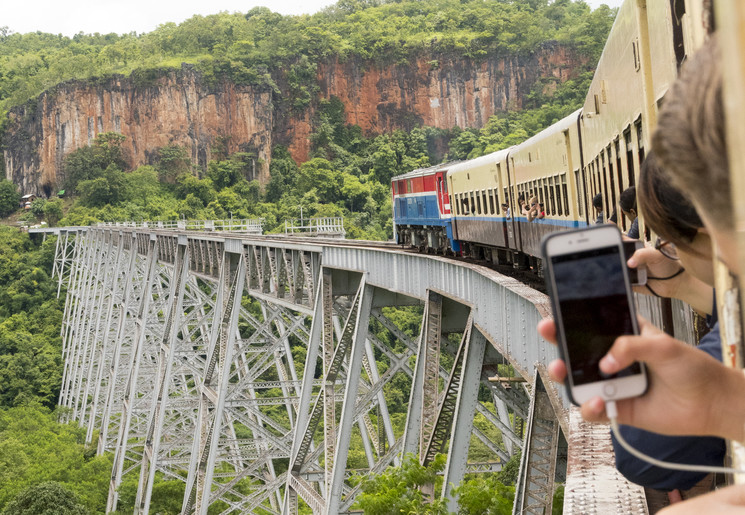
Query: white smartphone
592, 300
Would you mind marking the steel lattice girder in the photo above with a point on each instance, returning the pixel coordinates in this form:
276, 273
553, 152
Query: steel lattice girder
123, 327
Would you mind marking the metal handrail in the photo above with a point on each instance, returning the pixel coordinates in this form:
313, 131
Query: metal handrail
320, 225
249, 225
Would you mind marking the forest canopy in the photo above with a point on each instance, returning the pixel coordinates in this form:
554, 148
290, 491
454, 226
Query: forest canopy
250, 48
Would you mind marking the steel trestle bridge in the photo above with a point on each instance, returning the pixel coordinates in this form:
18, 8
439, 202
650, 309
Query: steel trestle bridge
245, 365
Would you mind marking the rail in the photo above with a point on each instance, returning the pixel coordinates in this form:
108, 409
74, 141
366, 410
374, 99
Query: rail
326, 226
252, 225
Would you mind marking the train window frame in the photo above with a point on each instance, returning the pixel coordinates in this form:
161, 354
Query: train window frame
483, 202
591, 172
559, 206
478, 204
565, 191
640, 140
619, 165
551, 196
473, 203
580, 194
629, 156
491, 201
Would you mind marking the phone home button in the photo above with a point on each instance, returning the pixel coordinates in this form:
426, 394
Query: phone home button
609, 390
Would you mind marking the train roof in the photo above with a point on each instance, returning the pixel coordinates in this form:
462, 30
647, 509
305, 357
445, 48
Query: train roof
420, 172
494, 157
552, 130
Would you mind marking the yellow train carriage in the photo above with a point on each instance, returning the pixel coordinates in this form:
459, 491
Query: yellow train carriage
479, 190
547, 167
646, 45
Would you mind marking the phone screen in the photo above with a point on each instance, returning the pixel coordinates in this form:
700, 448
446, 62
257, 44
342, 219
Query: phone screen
591, 293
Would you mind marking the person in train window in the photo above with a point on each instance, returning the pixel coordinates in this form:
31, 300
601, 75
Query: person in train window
627, 203
679, 266
530, 209
506, 210
690, 392
541, 212
597, 203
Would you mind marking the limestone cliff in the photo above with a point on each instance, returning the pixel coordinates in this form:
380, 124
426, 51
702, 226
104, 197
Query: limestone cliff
179, 108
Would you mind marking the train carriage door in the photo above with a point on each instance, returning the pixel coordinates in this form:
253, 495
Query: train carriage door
513, 227
443, 202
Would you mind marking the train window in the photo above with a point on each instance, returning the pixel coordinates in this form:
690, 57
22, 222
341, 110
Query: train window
473, 204
544, 194
604, 185
540, 191
550, 208
463, 204
580, 194
619, 172
478, 204
559, 207
566, 196
629, 155
408, 186
639, 141
491, 202
483, 202
395, 187
591, 170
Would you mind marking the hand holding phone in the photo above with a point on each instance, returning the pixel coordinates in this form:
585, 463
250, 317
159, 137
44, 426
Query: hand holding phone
590, 290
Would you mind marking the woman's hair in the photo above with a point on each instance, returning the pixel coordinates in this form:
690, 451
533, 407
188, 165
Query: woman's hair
666, 211
690, 137
627, 200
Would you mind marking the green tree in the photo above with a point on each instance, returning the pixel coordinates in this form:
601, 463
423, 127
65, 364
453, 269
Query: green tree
90, 163
173, 160
9, 197
50, 498
37, 208
53, 211
223, 173
398, 489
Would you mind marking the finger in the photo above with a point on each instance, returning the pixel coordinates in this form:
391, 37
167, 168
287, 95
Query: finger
647, 328
547, 330
594, 410
557, 371
650, 349
643, 256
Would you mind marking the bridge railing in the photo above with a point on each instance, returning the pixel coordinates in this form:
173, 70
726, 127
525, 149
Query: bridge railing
326, 226
252, 226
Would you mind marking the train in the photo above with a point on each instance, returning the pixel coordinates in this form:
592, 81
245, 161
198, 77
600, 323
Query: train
471, 208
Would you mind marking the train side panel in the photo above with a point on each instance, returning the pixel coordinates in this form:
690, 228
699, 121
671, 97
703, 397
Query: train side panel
478, 191
544, 167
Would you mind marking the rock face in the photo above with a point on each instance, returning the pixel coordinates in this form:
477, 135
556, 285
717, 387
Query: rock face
179, 109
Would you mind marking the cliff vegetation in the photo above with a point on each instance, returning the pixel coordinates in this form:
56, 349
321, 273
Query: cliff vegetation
249, 48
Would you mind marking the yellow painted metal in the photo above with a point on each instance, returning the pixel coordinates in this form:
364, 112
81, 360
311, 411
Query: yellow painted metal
731, 22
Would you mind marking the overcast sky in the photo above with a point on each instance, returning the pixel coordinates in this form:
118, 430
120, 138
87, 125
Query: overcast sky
69, 17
